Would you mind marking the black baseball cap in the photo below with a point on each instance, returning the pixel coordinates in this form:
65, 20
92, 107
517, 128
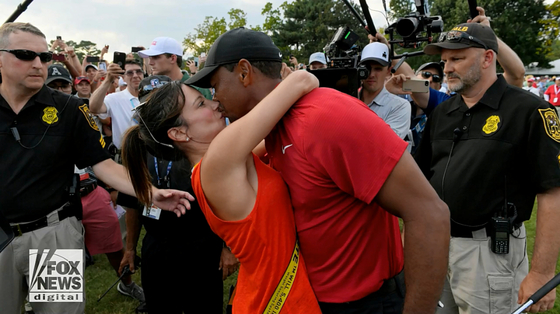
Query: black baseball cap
58, 72
232, 46
467, 35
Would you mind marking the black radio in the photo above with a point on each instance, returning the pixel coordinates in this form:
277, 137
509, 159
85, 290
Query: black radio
502, 227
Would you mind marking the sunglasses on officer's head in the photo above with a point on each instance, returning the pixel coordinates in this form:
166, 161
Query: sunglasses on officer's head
28, 55
435, 77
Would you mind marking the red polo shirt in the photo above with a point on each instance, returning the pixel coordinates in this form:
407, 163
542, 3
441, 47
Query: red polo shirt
335, 154
553, 92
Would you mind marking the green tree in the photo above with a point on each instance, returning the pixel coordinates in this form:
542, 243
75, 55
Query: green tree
400, 8
82, 49
237, 18
309, 25
551, 26
517, 23
273, 18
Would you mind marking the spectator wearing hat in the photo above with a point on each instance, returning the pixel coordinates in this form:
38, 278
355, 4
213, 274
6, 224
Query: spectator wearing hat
499, 143
83, 87
532, 86
166, 58
59, 78
317, 61
432, 72
395, 111
552, 95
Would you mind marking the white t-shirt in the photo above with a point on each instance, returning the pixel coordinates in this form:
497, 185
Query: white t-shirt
119, 108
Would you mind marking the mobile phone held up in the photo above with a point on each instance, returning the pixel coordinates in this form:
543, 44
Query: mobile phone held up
59, 57
136, 49
92, 59
103, 65
416, 86
119, 58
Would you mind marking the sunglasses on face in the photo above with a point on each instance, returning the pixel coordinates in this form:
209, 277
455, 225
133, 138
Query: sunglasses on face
60, 85
458, 37
435, 77
28, 55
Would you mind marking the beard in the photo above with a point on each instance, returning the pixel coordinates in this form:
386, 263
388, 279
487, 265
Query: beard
467, 81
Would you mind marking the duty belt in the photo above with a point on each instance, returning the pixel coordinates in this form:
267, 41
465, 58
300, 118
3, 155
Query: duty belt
458, 231
19, 229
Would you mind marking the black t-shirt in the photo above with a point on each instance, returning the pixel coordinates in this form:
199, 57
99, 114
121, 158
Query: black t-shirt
510, 137
59, 133
191, 227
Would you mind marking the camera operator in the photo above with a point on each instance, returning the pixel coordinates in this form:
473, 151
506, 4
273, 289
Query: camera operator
500, 144
395, 111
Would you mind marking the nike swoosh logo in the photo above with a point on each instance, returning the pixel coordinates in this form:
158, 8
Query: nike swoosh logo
284, 148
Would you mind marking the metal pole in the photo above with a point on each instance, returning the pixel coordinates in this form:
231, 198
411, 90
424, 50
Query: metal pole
20, 9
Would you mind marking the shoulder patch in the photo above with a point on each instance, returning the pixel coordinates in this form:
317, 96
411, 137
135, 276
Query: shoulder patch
50, 115
85, 110
492, 125
551, 123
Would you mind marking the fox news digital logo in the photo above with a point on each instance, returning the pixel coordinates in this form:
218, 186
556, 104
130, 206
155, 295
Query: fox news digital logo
56, 276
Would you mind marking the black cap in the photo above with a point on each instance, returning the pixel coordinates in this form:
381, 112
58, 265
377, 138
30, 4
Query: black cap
467, 35
433, 65
58, 72
232, 46
150, 83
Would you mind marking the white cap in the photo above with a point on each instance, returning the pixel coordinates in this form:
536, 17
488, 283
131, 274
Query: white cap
121, 82
162, 45
91, 65
558, 78
376, 52
318, 57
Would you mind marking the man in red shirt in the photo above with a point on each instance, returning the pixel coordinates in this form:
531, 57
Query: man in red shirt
552, 95
348, 175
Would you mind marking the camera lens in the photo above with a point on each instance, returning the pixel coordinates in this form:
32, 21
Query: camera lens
426, 83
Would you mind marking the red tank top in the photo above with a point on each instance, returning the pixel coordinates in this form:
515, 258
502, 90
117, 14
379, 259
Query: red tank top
264, 242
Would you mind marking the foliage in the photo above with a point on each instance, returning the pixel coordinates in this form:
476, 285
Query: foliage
83, 48
551, 31
309, 25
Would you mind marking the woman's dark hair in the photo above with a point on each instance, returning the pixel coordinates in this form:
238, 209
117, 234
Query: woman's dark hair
155, 117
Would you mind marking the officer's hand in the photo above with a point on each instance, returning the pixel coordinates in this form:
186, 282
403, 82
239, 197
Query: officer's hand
114, 71
228, 263
530, 285
480, 18
128, 259
395, 84
172, 200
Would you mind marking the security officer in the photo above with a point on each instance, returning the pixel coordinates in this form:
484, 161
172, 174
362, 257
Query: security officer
491, 145
43, 134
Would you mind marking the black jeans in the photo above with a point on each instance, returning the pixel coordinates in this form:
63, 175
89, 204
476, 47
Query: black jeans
389, 299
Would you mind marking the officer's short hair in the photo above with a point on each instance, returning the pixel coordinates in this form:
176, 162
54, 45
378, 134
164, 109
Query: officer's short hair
8, 28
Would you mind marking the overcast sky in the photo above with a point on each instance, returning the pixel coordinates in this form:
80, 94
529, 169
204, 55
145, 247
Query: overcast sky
123, 24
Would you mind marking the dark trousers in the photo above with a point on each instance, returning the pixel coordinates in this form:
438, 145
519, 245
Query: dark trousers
179, 278
389, 299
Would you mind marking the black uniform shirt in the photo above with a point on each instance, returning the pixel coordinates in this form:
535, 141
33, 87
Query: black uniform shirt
510, 136
34, 181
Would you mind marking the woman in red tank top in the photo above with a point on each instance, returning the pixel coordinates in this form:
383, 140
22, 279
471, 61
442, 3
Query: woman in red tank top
245, 202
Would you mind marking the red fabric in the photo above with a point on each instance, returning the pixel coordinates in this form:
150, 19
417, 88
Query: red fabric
335, 154
103, 232
263, 242
551, 91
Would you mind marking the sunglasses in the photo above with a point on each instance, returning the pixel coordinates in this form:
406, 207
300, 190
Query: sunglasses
458, 36
28, 55
137, 114
435, 78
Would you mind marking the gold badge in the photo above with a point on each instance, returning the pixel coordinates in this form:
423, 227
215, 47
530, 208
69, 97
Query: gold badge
85, 110
49, 115
551, 123
492, 125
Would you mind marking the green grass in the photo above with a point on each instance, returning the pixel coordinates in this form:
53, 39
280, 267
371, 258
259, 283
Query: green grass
100, 276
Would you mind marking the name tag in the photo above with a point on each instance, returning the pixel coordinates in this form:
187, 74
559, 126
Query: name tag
152, 212
555, 99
